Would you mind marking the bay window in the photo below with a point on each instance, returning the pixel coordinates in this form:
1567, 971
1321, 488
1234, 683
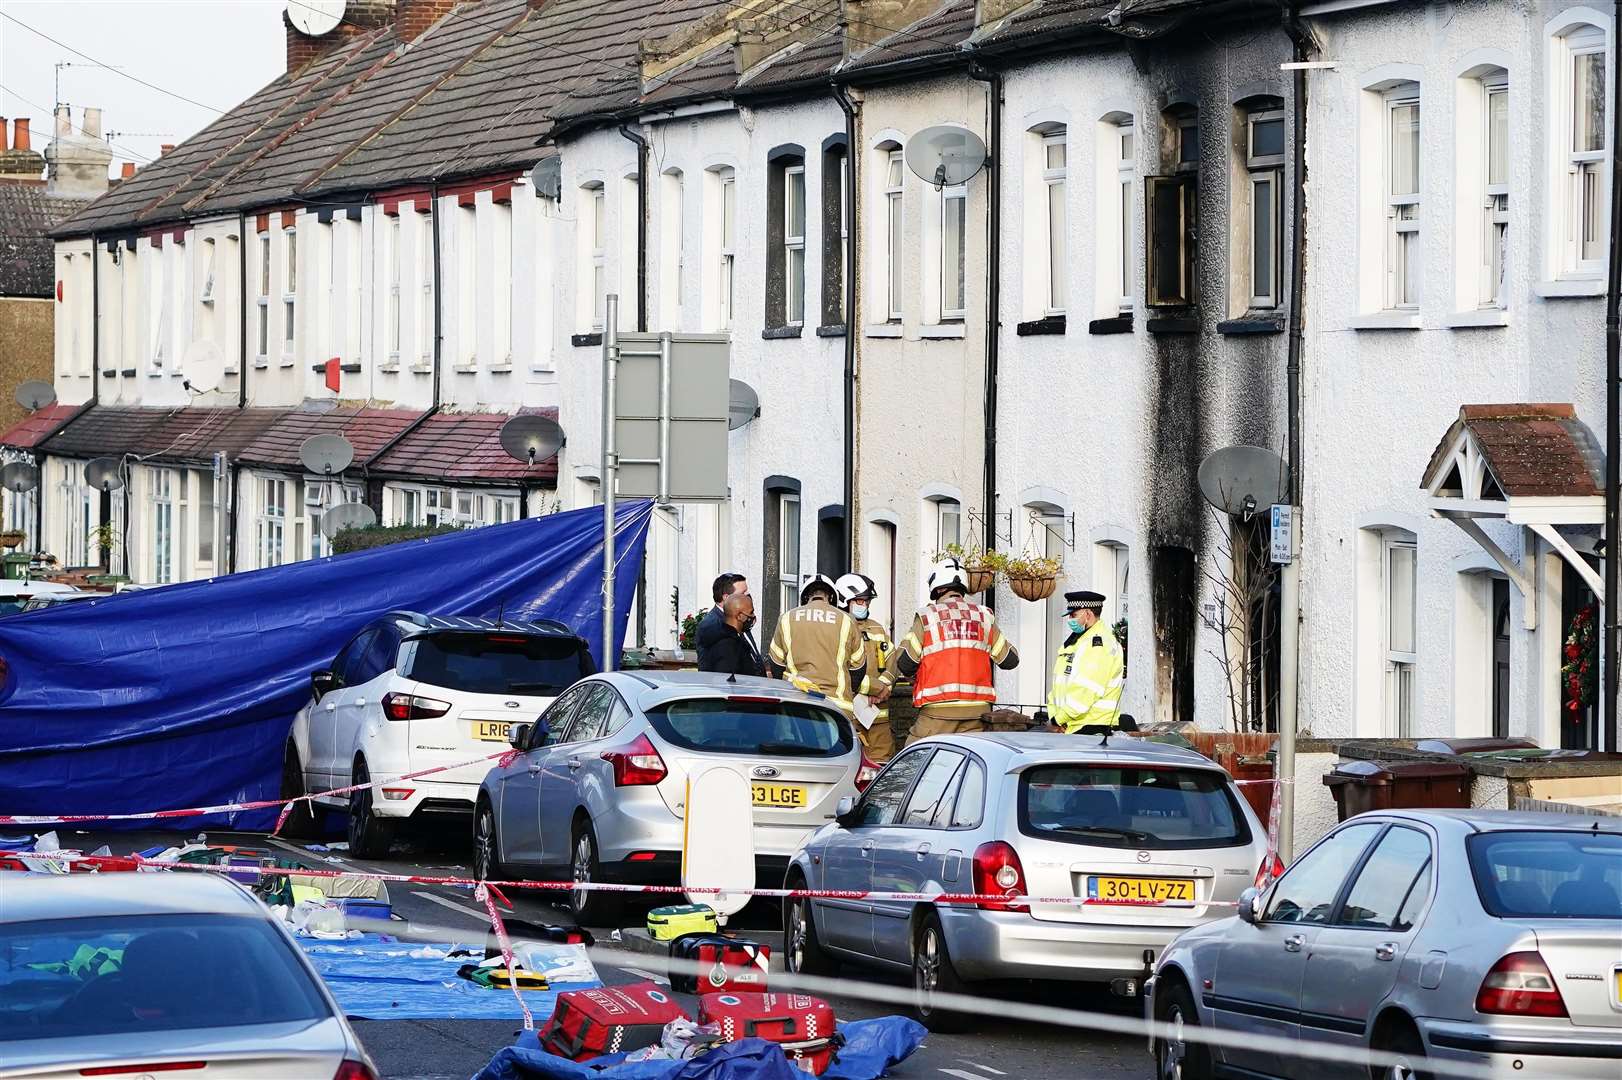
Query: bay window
272, 521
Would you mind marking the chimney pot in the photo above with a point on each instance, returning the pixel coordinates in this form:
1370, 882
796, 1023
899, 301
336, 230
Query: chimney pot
22, 134
127, 170
5, 133
165, 148
64, 121
92, 122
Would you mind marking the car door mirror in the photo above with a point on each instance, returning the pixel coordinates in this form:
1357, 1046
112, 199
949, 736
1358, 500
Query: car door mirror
540, 733
1250, 905
845, 812
518, 737
322, 682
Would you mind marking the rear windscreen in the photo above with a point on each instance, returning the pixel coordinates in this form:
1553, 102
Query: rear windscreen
63, 978
722, 726
498, 663
1562, 875
1109, 806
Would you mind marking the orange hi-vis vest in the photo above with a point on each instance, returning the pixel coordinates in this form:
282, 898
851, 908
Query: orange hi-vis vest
954, 647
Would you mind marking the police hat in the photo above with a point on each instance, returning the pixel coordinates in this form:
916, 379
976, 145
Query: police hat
1076, 601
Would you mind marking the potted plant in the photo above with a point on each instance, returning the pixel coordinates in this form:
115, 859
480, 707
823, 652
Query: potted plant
981, 567
1032, 577
12, 538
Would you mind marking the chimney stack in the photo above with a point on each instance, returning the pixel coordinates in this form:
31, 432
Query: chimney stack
5, 134
412, 18
360, 17
77, 158
21, 142
164, 148
19, 163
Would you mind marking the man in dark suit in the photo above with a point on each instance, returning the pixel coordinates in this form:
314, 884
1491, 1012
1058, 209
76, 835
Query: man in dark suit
712, 628
734, 652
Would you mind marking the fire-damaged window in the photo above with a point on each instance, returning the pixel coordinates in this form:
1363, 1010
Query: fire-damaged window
785, 237
1170, 241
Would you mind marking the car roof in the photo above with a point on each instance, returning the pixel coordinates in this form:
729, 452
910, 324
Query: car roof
35, 588
1024, 748
1484, 820
650, 688
414, 623
30, 897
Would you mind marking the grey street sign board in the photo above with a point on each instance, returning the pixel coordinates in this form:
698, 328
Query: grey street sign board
699, 394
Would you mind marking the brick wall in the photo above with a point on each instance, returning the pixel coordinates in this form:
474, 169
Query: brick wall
413, 17
359, 17
26, 351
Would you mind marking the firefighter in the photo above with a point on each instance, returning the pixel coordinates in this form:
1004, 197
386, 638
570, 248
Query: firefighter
818, 648
1089, 672
856, 593
949, 654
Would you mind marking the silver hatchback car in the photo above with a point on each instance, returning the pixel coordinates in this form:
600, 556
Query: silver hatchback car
1486, 937
1109, 819
598, 792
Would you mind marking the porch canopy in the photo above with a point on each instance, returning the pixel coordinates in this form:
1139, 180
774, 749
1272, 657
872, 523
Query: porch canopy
1533, 465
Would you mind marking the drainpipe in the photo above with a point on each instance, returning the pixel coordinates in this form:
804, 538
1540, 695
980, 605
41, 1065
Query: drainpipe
641, 225
851, 322
994, 91
1613, 438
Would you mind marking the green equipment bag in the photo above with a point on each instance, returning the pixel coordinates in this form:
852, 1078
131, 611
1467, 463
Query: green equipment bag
670, 923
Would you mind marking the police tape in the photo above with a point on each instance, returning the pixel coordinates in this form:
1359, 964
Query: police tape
502, 758
1003, 900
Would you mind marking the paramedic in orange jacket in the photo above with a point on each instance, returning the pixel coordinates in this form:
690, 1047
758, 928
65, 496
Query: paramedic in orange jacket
949, 654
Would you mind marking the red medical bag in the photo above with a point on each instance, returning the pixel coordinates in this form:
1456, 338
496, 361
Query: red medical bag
589, 1024
802, 1025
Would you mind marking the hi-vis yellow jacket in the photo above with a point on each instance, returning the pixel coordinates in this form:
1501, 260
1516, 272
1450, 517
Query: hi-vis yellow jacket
1087, 680
820, 649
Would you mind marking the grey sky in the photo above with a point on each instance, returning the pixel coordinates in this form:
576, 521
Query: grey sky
213, 51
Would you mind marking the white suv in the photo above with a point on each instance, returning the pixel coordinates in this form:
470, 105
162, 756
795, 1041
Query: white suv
412, 692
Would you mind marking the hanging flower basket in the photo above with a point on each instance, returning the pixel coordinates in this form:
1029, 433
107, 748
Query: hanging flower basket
1033, 586
12, 538
981, 577
980, 567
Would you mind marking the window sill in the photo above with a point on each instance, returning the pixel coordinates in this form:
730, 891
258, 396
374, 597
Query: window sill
128, 373
1173, 324
1269, 323
883, 330
585, 340
232, 370
1483, 318
287, 361
941, 331
501, 369
209, 300
1569, 288
392, 367
831, 330
153, 373
1115, 324
780, 333
1385, 320
177, 374
1047, 324
261, 364
422, 369
466, 369
109, 373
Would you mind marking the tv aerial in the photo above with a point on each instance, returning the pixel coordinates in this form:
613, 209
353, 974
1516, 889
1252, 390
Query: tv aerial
945, 155
743, 406
336, 519
19, 476
531, 439
315, 17
35, 394
104, 473
1242, 479
326, 455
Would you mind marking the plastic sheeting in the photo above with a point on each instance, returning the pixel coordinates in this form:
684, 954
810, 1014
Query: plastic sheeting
871, 1048
183, 696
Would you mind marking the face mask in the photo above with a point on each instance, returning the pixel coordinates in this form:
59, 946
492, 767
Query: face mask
858, 612
748, 621
1074, 625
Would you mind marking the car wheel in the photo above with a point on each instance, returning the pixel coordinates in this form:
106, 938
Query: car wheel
1177, 1057
591, 907
802, 952
933, 974
370, 837
486, 845
300, 823
1403, 1042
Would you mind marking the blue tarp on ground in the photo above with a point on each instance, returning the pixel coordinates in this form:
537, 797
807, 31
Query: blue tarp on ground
183, 696
871, 1048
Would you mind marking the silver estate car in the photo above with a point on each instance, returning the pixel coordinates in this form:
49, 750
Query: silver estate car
139, 974
598, 791
1486, 937
1033, 814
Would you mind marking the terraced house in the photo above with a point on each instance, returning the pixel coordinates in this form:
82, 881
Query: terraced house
1368, 236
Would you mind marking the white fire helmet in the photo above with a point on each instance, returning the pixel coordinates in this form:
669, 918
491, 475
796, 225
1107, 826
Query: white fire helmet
855, 586
947, 572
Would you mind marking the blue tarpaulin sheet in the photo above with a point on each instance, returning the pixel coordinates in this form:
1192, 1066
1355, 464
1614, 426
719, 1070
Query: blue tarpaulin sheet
871, 1048
183, 696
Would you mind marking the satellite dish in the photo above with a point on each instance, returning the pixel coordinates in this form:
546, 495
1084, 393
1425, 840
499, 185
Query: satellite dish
19, 476
945, 155
1242, 479
547, 177
104, 474
325, 455
743, 406
315, 17
35, 394
531, 438
346, 516
201, 353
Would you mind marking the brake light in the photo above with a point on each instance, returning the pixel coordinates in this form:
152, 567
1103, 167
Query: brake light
997, 870
411, 707
636, 764
746, 699
354, 1070
1520, 984
642, 856
865, 772
506, 639
1269, 871
132, 1070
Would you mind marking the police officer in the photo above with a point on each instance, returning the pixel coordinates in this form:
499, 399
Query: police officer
949, 653
1088, 674
818, 648
856, 593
